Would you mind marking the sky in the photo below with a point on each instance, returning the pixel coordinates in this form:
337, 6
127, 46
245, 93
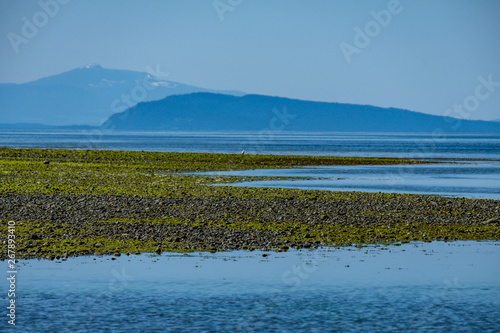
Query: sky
437, 57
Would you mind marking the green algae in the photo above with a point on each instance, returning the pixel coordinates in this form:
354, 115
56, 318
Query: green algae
142, 173
183, 162
168, 175
43, 239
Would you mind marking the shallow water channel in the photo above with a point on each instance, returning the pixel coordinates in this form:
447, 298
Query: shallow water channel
471, 179
438, 286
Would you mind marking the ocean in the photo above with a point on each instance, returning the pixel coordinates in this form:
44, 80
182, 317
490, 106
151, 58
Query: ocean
415, 145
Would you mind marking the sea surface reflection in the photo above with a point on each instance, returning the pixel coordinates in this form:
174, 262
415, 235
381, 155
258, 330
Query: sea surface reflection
469, 179
439, 287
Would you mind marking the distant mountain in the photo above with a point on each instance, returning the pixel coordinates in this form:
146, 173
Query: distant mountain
211, 112
86, 95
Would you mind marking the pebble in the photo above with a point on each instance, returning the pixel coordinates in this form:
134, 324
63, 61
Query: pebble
88, 216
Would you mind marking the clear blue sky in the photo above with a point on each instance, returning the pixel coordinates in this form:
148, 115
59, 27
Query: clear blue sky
429, 57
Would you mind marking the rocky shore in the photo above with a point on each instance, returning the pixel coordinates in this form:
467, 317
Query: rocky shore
63, 206
69, 225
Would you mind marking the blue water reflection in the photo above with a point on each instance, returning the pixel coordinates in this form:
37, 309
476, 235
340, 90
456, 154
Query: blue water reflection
479, 179
440, 287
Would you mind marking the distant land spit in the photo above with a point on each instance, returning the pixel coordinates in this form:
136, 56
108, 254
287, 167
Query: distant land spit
220, 112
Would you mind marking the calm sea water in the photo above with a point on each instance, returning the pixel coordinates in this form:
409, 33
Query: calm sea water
470, 146
420, 287
470, 179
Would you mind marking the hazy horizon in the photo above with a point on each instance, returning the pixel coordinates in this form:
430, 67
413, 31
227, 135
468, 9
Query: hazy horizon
438, 58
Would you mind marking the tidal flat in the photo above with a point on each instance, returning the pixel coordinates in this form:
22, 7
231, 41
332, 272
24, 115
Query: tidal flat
90, 202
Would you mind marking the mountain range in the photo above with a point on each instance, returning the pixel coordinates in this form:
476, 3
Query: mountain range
92, 96
84, 96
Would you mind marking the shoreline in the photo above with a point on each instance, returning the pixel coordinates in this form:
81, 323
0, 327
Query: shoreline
72, 203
